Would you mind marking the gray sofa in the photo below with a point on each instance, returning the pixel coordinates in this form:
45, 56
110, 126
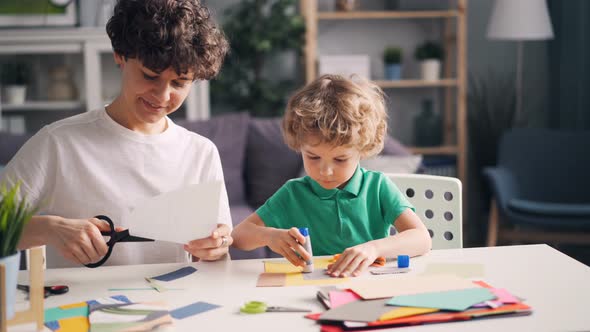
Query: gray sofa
256, 162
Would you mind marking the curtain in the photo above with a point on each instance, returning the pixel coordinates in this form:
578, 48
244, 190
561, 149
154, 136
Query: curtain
569, 58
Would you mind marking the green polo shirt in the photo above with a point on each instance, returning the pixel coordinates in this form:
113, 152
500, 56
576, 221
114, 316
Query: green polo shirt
337, 219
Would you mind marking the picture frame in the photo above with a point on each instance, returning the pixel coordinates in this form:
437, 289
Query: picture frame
32, 13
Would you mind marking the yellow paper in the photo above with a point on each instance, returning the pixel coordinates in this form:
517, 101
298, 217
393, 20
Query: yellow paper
286, 267
73, 305
296, 279
74, 324
405, 312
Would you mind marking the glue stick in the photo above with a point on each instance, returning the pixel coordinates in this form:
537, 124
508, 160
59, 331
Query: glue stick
308, 268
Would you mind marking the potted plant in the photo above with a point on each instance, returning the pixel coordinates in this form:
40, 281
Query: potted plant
392, 57
261, 32
430, 55
14, 78
15, 212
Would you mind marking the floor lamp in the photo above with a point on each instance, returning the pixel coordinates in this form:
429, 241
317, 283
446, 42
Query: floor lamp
520, 20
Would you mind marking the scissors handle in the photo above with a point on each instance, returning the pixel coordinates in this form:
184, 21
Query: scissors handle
110, 243
48, 290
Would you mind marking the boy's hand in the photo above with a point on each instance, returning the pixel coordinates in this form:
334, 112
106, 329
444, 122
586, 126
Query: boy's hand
353, 261
286, 243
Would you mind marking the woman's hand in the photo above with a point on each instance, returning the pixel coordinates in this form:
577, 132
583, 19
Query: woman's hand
212, 247
287, 243
354, 260
78, 240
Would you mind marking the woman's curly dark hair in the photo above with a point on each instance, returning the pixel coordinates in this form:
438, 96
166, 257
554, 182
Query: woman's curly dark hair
164, 34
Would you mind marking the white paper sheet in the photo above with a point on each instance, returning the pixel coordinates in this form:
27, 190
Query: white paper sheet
179, 216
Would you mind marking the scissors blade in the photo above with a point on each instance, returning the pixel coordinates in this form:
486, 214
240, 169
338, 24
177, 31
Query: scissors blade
286, 309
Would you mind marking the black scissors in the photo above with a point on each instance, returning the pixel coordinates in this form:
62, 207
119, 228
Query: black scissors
122, 236
48, 290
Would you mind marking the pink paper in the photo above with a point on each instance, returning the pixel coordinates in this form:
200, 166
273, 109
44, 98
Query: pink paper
503, 297
338, 298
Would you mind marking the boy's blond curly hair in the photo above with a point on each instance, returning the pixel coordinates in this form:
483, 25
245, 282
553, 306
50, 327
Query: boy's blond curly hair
338, 111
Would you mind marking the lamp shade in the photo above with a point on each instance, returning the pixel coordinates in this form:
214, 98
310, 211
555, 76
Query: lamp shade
520, 20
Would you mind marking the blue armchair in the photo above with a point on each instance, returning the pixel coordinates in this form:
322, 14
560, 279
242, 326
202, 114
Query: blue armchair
541, 187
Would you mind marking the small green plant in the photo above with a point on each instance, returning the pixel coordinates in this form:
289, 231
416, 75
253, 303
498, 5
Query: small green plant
14, 215
429, 50
392, 55
14, 74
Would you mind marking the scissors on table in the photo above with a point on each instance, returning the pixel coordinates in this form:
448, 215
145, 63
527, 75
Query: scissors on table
258, 307
122, 236
48, 290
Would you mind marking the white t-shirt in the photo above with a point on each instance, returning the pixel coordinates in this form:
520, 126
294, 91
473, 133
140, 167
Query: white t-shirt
88, 165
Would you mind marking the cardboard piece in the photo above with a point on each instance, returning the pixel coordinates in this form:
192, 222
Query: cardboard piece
357, 311
405, 285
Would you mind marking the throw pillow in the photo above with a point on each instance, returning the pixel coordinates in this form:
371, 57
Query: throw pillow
269, 161
228, 132
10, 144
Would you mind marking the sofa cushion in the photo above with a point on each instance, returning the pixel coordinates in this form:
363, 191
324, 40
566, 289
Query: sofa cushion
393, 164
393, 147
563, 210
269, 161
10, 144
228, 132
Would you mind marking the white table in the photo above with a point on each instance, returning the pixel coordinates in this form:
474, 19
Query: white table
553, 284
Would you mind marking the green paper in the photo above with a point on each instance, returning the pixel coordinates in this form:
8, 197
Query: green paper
57, 313
456, 300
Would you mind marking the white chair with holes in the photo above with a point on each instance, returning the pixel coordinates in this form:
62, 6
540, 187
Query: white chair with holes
437, 200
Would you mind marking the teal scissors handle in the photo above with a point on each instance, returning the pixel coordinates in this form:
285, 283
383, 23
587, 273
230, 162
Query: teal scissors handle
258, 307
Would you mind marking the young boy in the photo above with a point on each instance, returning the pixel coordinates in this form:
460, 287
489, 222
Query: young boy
103, 161
334, 123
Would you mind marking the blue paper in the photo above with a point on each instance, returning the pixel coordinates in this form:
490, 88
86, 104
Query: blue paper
183, 272
52, 325
192, 309
121, 298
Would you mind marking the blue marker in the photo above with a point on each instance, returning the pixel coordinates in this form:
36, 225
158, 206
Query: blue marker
308, 268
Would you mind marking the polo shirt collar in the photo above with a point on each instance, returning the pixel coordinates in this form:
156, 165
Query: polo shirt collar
353, 186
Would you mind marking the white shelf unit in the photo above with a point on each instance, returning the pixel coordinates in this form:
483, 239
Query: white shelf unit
453, 83
90, 43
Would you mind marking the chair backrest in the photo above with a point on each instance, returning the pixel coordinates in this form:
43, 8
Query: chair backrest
437, 200
548, 165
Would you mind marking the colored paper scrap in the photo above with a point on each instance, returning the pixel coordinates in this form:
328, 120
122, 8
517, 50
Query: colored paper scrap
406, 285
271, 280
58, 313
502, 297
455, 300
317, 274
358, 311
340, 297
283, 266
52, 325
192, 309
144, 316
464, 270
183, 272
400, 312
